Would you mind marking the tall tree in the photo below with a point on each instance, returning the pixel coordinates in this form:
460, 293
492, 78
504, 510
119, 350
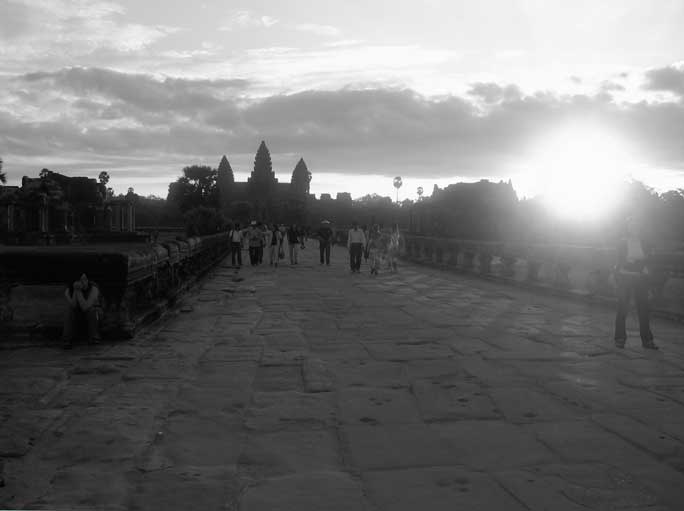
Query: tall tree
197, 187
3, 177
263, 169
103, 178
301, 178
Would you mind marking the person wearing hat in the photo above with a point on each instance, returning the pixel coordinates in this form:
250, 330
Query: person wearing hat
325, 236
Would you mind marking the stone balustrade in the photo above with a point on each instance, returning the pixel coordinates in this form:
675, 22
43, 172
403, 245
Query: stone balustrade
574, 270
132, 278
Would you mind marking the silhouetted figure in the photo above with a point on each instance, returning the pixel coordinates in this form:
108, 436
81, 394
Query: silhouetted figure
83, 306
374, 249
393, 248
325, 238
356, 240
275, 246
631, 277
236, 236
256, 239
293, 241
265, 237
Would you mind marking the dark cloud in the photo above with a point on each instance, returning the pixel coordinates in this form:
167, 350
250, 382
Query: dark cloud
493, 92
668, 79
609, 86
137, 90
383, 131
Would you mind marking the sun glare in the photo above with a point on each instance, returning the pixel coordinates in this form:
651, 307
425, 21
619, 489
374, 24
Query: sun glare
578, 170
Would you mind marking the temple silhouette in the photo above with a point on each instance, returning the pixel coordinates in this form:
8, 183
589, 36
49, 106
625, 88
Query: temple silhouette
262, 197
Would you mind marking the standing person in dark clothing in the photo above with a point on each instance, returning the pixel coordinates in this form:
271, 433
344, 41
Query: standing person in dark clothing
325, 237
631, 277
255, 237
236, 245
264, 238
293, 241
356, 240
275, 246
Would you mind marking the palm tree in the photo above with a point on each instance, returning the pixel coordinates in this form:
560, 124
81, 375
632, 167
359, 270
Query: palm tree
420, 192
397, 185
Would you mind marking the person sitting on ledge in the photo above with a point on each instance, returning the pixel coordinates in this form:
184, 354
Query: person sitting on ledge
83, 304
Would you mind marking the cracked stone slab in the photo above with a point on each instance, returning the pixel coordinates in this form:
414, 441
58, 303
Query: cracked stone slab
284, 452
489, 444
451, 398
397, 352
313, 491
368, 373
397, 445
317, 375
377, 406
437, 489
291, 410
580, 487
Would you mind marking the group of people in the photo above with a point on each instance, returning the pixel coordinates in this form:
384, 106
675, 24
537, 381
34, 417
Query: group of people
377, 246
380, 248
261, 238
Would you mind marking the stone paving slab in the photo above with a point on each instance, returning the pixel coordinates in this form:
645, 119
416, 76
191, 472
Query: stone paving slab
307, 387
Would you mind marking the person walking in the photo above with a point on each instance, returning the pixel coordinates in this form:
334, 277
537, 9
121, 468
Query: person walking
356, 240
325, 235
265, 237
293, 242
236, 235
255, 238
632, 279
393, 248
374, 249
275, 246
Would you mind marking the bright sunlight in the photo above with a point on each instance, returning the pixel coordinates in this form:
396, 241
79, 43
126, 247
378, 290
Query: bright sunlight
579, 169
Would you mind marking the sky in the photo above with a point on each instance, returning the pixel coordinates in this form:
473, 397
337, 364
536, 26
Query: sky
433, 91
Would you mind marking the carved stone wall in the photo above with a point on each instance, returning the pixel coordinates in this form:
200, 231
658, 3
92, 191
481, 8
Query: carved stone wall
132, 279
572, 270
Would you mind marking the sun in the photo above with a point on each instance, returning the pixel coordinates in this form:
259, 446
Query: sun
578, 170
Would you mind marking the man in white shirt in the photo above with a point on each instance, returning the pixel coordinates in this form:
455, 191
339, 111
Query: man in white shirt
356, 240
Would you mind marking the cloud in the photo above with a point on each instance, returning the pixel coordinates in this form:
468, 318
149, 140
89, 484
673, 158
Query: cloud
494, 93
666, 79
321, 30
133, 93
99, 116
611, 86
48, 30
246, 19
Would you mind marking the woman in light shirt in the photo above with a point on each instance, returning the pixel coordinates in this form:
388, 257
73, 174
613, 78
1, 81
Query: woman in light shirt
632, 279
